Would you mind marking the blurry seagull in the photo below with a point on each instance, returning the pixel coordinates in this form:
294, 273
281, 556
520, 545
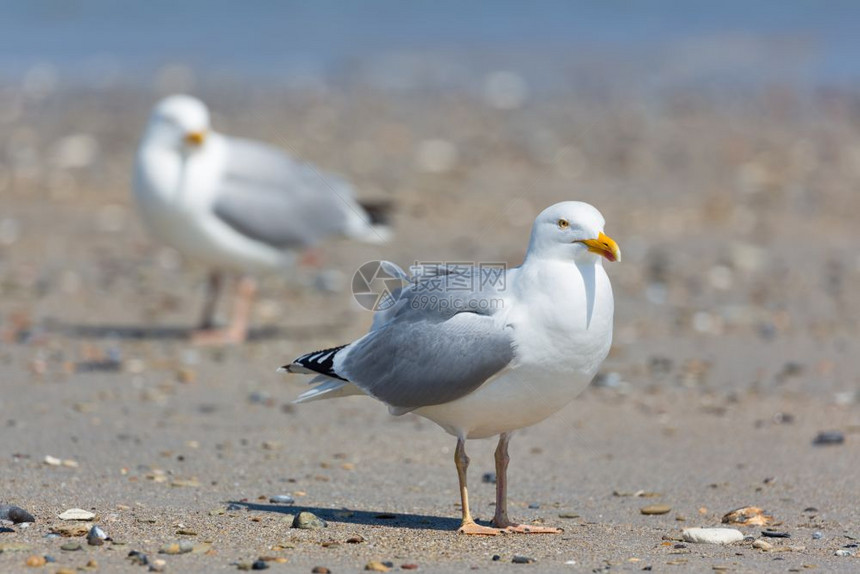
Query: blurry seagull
236, 205
503, 356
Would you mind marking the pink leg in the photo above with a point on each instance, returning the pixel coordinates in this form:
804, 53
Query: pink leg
312, 257
501, 520
213, 289
237, 331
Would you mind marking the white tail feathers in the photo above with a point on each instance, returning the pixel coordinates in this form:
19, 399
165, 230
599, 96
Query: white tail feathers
329, 389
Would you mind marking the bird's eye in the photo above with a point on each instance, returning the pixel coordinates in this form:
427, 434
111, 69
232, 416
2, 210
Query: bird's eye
563, 224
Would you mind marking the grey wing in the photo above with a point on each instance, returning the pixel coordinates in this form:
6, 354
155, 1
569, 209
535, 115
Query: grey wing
411, 364
270, 197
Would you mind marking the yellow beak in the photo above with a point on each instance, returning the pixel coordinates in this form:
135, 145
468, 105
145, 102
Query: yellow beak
195, 138
604, 245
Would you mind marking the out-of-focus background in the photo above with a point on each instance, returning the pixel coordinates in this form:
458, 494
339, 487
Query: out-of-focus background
721, 140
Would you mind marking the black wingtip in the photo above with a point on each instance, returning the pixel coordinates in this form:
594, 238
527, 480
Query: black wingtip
321, 362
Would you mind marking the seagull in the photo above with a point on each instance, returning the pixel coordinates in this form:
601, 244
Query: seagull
237, 205
483, 355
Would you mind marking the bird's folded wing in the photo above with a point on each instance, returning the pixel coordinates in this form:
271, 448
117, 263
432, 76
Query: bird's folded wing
419, 359
267, 196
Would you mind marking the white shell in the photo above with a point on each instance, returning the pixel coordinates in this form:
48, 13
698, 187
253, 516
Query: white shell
712, 535
77, 514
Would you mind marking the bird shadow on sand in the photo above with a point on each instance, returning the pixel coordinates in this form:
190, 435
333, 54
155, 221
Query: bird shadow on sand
175, 333
362, 517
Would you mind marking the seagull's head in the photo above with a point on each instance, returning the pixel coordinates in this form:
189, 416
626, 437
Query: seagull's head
572, 230
180, 122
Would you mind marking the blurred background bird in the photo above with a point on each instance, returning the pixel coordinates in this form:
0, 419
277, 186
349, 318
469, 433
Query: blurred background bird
237, 205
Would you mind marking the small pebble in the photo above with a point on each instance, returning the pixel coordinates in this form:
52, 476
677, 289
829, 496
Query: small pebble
827, 438
409, 566
71, 546
534, 506
489, 478
35, 561
817, 536
15, 514
772, 534
655, 509
260, 565
308, 521
233, 506
96, 536
518, 559
320, 570
355, 539
496, 557
842, 552
158, 565
762, 545
282, 499
138, 558
375, 566
181, 547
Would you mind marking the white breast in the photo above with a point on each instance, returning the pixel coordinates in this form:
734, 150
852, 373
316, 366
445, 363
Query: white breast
562, 333
176, 195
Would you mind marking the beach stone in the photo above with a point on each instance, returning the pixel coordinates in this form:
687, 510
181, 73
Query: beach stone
308, 521
259, 565
71, 546
843, 552
158, 565
357, 539
489, 478
655, 509
320, 570
375, 566
518, 559
772, 534
35, 561
282, 499
138, 558
829, 438
15, 514
409, 566
817, 536
762, 545
77, 514
65, 571
181, 547
712, 535
96, 536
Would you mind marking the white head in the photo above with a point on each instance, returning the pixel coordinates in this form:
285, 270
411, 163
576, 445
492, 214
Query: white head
179, 122
572, 231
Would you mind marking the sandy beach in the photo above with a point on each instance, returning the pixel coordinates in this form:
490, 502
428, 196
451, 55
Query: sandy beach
736, 340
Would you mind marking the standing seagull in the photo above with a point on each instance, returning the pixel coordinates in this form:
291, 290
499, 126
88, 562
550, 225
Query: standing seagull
236, 205
485, 362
